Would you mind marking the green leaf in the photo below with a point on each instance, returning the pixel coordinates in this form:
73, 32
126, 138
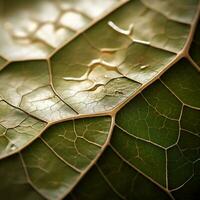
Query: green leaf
17, 129
195, 47
98, 104
54, 163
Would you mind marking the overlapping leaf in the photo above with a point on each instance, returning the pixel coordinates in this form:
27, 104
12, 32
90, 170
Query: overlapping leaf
100, 119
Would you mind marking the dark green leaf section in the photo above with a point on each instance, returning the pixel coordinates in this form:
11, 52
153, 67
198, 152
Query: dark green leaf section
150, 24
115, 178
195, 46
28, 87
55, 162
184, 156
148, 158
14, 183
154, 149
152, 113
190, 190
184, 81
191, 120
94, 187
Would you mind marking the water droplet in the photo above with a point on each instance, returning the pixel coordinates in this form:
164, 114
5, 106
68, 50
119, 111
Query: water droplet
13, 147
144, 66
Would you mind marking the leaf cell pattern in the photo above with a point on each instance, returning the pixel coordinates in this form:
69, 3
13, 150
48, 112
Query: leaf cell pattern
111, 111
32, 30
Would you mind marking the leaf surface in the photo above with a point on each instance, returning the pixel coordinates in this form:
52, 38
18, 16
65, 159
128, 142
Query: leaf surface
32, 30
97, 105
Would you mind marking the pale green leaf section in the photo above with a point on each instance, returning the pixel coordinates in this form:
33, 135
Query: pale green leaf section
114, 178
17, 129
34, 29
55, 162
28, 87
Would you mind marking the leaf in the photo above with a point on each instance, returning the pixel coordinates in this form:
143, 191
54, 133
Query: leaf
70, 152
110, 112
17, 129
157, 135
31, 91
196, 46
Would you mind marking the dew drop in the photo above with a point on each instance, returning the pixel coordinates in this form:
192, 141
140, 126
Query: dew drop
144, 66
13, 147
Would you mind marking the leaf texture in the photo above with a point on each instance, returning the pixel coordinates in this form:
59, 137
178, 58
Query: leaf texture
32, 30
99, 105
